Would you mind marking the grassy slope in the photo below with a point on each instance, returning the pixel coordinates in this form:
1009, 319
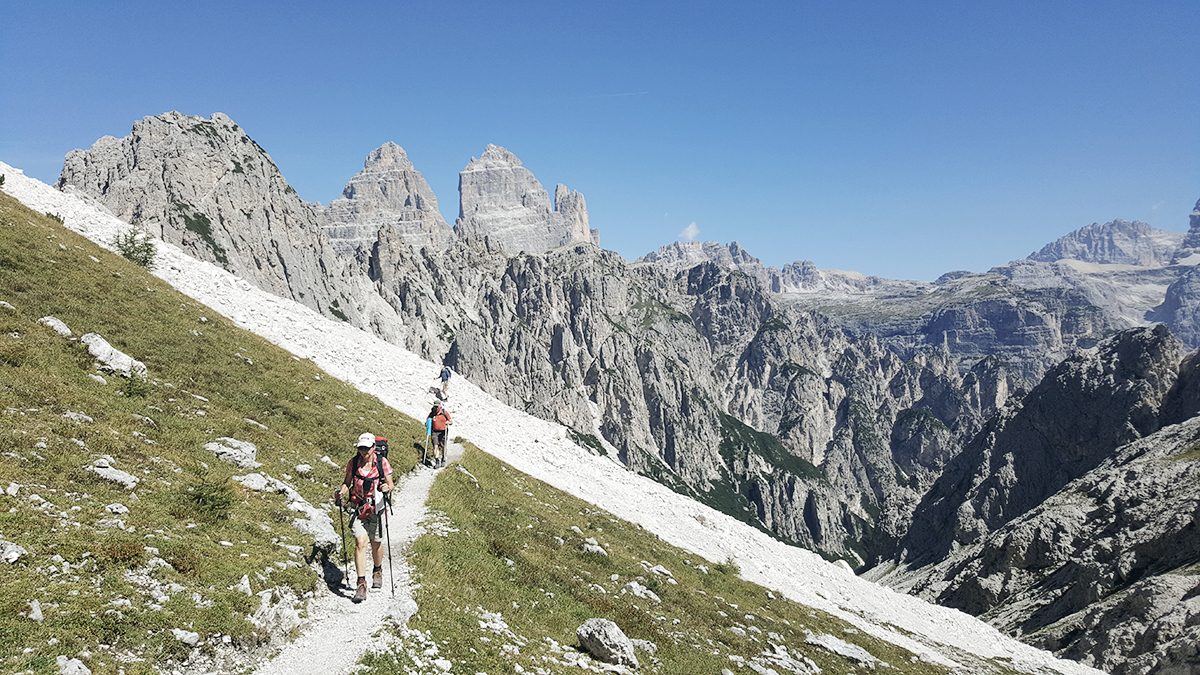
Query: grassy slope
546, 591
48, 270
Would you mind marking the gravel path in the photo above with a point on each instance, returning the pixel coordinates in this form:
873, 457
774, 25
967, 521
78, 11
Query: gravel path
339, 631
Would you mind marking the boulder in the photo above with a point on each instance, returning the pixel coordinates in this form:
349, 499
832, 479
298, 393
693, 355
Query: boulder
10, 552
605, 641
56, 325
242, 454
111, 358
68, 666
104, 468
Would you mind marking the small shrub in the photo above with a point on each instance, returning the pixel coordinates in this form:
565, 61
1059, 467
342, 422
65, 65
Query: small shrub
136, 247
55, 217
210, 500
120, 551
135, 386
1, 180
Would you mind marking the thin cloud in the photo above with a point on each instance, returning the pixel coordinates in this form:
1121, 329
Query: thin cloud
690, 232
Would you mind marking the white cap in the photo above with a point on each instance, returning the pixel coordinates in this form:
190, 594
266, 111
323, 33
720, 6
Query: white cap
366, 440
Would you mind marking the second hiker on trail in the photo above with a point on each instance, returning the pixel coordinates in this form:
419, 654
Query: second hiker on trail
444, 376
436, 424
368, 477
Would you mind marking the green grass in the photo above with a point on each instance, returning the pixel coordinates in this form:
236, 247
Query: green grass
1191, 454
514, 553
185, 504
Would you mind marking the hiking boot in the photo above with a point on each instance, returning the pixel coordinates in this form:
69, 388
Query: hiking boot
361, 593
377, 578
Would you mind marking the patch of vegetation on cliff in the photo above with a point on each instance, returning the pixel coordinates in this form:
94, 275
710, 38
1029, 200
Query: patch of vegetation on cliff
199, 224
739, 439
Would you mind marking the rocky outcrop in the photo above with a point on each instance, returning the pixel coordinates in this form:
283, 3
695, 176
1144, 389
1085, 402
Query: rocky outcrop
206, 186
1105, 571
1082, 410
503, 204
1115, 242
388, 193
1191, 241
1180, 308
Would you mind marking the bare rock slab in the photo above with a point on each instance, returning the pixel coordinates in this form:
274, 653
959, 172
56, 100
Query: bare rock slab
605, 640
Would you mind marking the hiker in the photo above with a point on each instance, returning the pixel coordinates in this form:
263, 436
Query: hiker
444, 376
436, 423
368, 477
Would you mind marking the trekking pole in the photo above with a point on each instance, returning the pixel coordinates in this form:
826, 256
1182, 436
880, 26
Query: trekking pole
387, 536
345, 558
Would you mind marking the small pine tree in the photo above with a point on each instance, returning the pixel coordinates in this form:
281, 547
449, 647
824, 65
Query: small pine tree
55, 217
136, 247
1, 180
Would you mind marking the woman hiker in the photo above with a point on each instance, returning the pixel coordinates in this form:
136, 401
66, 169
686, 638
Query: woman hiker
368, 477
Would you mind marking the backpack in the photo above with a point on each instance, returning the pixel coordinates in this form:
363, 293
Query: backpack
381, 447
362, 489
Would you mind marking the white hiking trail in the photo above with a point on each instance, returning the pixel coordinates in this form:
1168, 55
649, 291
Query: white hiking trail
340, 631
545, 451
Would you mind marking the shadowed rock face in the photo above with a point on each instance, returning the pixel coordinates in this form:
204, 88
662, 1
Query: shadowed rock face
1082, 410
388, 193
501, 201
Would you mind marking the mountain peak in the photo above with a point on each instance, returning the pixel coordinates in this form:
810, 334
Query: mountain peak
388, 193
494, 157
388, 156
1122, 242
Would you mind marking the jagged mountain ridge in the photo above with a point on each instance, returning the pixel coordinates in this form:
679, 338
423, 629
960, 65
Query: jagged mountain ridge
694, 375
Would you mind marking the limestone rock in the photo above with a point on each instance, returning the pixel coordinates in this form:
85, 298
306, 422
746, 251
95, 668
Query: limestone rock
187, 637
238, 453
56, 325
605, 640
204, 185
69, 666
503, 204
103, 467
388, 193
10, 552
1085, 407
112, 359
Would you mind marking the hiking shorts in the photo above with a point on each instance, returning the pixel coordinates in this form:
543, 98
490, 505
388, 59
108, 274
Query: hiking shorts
371, 528
439, 439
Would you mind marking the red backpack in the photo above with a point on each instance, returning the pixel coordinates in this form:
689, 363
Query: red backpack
362, 488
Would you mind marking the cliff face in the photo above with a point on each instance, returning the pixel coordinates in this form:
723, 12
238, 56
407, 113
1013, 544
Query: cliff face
501, 201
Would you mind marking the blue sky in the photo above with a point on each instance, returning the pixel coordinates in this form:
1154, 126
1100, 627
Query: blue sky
898, 139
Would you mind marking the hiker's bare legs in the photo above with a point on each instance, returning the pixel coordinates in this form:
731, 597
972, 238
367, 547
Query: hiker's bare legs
360, 555
377, 553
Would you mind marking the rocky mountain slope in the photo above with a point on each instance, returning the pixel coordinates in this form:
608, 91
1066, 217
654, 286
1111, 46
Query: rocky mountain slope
1072, 520
820, 406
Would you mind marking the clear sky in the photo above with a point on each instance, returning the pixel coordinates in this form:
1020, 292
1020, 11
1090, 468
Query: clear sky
894, 138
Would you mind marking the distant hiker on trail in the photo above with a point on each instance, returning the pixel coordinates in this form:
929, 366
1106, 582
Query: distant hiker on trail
368, 478
444, 376
436, 424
